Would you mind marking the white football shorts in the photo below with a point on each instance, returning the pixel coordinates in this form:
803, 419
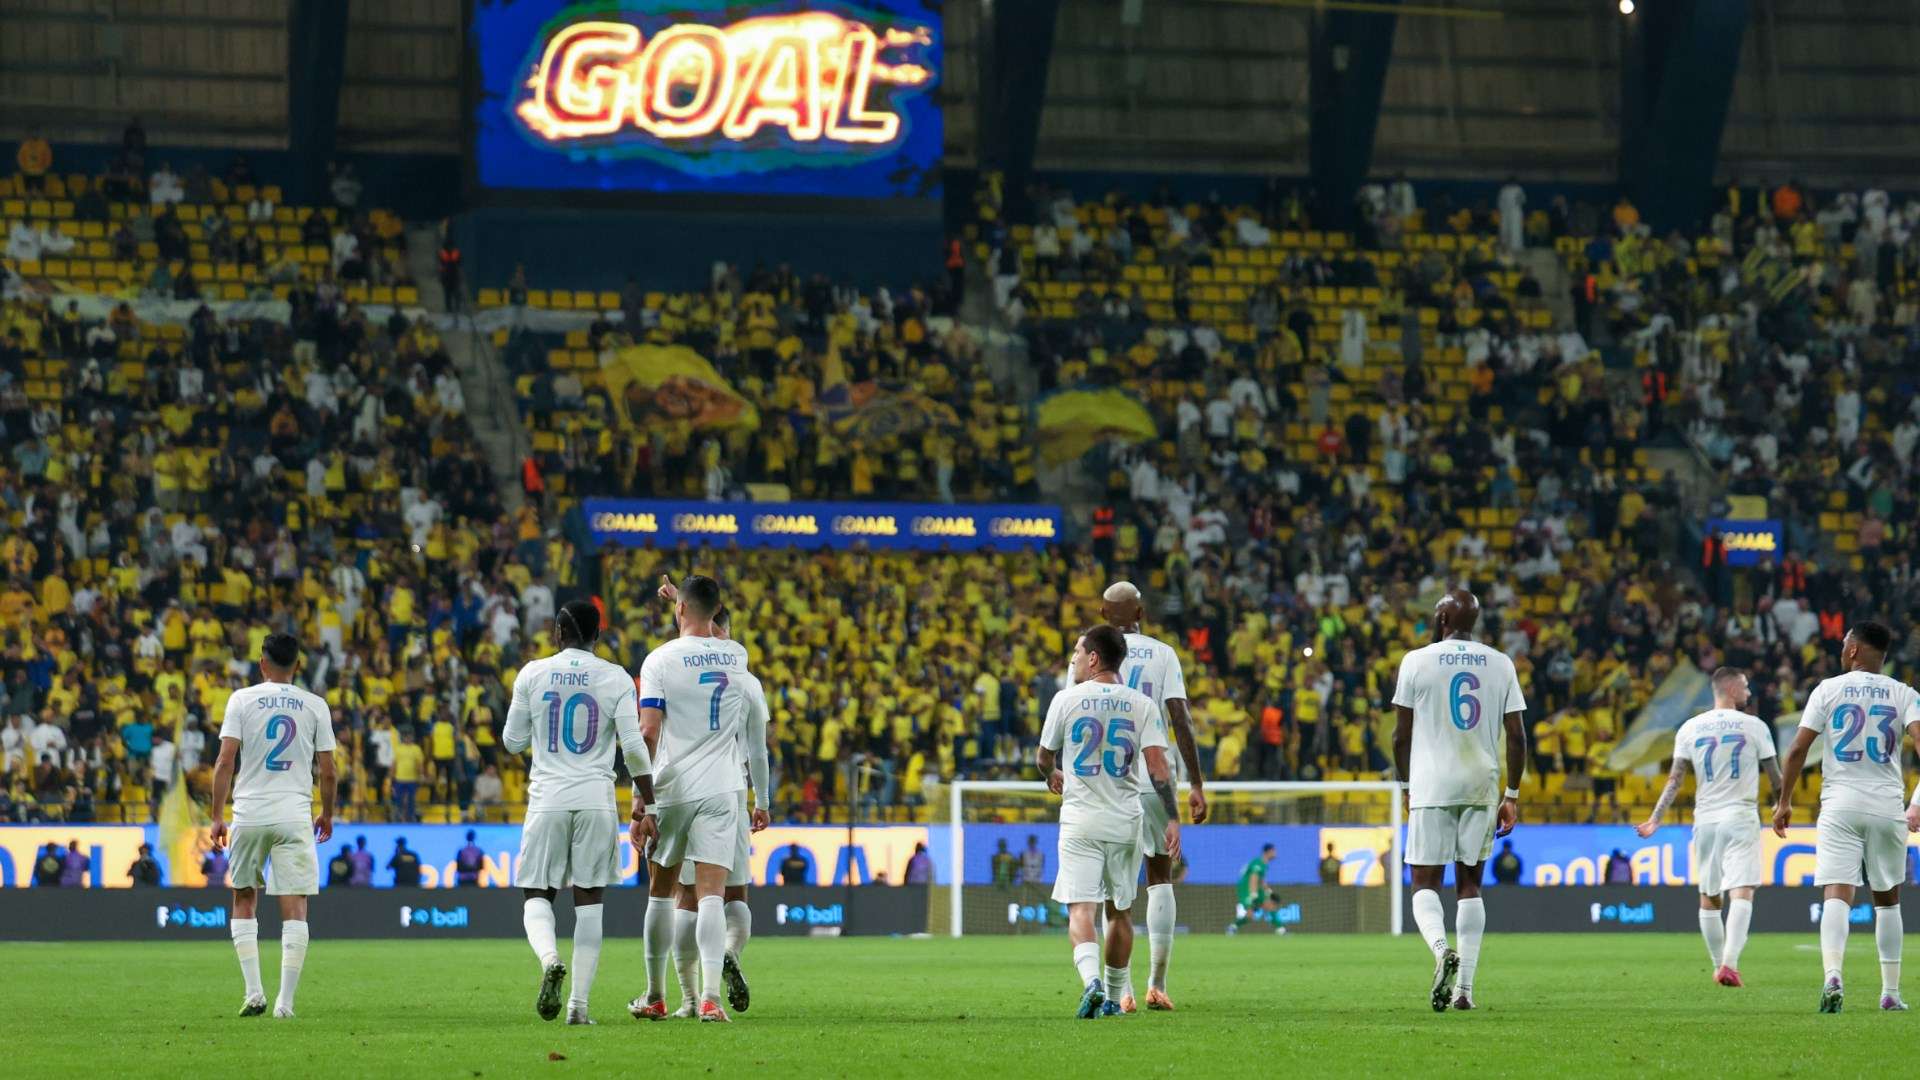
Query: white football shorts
289, 847
562, 848
1850, 845
1438, 835
1092, 871
1726, 855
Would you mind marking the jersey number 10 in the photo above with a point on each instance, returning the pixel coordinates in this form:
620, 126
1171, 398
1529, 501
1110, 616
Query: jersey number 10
560, 722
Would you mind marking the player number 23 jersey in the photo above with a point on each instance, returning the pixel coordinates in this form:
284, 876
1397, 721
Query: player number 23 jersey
1460, 692
280, 728
1097, 730
1863, 716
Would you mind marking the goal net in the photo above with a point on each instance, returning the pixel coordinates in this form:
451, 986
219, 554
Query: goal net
1334, 867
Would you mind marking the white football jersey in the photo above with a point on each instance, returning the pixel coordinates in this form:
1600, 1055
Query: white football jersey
1864, 715
1097, 730
1725, 747
280, 728
1153, 668
576, 711
1460, 692
696, 682
758, 719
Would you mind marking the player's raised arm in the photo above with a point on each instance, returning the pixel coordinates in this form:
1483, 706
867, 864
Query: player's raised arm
518, 733
1790, 777
1681, 766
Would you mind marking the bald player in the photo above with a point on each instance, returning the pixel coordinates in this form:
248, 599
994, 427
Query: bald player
1446, 753
1153, 668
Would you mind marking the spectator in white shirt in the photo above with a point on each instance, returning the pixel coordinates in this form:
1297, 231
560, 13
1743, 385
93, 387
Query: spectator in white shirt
165, 188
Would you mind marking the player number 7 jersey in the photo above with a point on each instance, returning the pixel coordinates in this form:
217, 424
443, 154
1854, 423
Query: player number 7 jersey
699, 684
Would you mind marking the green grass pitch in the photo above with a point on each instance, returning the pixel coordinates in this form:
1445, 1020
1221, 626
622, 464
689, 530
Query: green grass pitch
987, 1007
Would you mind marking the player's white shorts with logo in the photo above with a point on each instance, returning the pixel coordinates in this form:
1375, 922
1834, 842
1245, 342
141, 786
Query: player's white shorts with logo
1437, 835
561, 848
1097, 870
1726, 855
704, 830
1847, 842
289, 846
742, 872
1153, 826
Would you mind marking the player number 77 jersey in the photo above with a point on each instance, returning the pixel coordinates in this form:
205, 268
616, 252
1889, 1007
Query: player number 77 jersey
1097, 730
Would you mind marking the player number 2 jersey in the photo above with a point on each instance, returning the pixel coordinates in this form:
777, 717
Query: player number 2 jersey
280, 727
1460, 693
1863, 716
1097, 731
1725, 748
574, 710
697, 683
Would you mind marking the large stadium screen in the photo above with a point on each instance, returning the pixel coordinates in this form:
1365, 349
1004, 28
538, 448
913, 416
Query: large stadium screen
768, 98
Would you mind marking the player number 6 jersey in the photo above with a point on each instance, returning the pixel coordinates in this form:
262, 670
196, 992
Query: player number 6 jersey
1460, 693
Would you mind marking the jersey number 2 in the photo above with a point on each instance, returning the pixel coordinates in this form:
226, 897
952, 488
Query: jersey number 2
560, 722
279, 727
719, 679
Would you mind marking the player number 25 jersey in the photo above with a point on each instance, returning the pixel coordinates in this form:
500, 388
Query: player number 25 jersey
574, 710
280, 727
1725, 748
697, 683
1863, 715
1459, 692
1153, 668
1097, 731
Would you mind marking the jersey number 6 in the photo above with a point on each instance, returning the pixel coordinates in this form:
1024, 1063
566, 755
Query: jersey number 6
1460, 700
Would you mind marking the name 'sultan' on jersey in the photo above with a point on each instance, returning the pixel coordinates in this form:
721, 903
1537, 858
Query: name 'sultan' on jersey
290, 701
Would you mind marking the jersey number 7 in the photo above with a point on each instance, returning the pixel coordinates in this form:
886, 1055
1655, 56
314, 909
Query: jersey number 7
719, 678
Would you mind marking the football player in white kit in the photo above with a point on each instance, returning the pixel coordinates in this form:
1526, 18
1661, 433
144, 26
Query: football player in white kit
1862, 830
686, 949
1096, 727
1153, 668
274, 741
571, 708
1445, 751
1728, 749
693, 708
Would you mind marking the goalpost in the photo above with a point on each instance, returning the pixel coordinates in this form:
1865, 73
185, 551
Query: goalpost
1361, 820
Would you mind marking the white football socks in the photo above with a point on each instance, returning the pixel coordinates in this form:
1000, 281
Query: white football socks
293, 957
1887, 930
1431, 918
739, 926
246, 945
1715, 933
537, 916
686, 953
1833, 936
657, 935
1118, 979
1160, 923
1469, 923
1739, 920
586, 952
1086, 960
711, 932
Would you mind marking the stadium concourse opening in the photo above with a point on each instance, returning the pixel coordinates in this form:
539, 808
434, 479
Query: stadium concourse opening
1158, 513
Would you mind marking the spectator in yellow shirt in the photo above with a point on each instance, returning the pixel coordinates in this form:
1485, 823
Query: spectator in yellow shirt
409, 763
